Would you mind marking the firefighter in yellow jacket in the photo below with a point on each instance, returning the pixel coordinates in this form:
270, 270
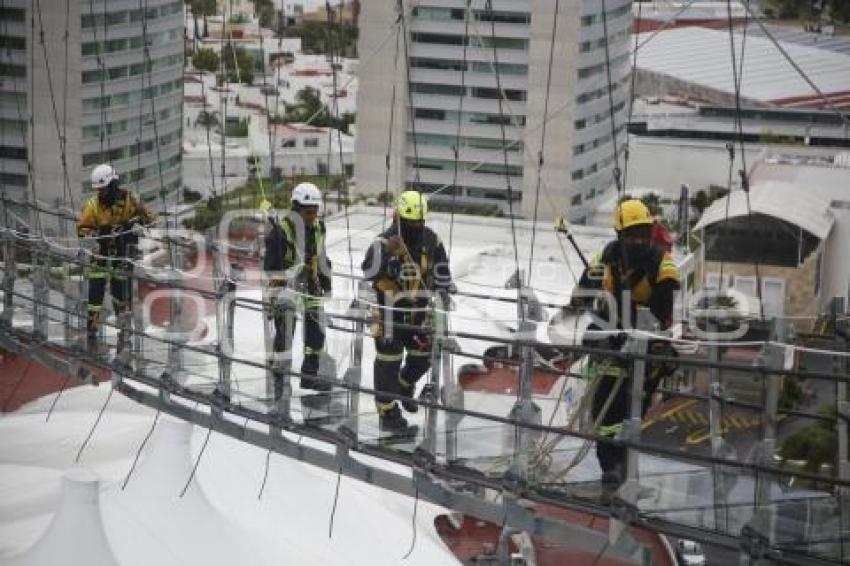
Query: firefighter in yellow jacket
637, 272
109, 216
406, 265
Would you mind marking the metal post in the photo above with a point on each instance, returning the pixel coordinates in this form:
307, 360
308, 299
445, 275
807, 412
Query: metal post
354, 373
525, 410
452, 397
138, 339
40, 290
224, 315
429, 443
715, 416
759, 533
279, 362
176, 334
10, 271
773, 358
631, 431
76, 302
842, 403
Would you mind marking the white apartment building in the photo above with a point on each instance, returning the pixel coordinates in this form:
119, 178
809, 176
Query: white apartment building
99, 89
455, 101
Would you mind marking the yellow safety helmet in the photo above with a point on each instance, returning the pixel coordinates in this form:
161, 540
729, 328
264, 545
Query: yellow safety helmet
412, 205
631, 213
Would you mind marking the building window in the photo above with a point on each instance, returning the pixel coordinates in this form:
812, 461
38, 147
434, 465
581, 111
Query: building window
12, 14
12, 152
311, 142
502, 17
448, 90
494, 93
438, 14
289, 142
13, 179
9, 70
430, 114
11, 42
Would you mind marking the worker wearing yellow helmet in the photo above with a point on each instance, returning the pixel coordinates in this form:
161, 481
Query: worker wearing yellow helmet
637, 272
405, 264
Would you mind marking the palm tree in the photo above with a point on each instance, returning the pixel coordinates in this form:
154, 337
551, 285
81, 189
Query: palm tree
208, 119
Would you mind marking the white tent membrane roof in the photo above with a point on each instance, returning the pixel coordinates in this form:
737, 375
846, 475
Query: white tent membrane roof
703, 56
777, 199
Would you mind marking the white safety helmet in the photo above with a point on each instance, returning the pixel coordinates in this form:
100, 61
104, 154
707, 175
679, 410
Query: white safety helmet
307, 194
102, 175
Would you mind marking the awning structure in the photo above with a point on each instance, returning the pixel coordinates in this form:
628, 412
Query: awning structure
783, 201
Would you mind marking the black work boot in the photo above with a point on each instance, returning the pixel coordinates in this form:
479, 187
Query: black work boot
392, 421
408, 390
310, 367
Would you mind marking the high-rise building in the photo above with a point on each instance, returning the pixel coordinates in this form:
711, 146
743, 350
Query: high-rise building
76, 75
447, 111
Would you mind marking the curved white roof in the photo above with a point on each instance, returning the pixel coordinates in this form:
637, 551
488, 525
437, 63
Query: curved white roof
703, 57
777, 199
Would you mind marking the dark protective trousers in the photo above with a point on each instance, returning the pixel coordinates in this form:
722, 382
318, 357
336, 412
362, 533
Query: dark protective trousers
314, 341
613, 458
116, 272
389, 375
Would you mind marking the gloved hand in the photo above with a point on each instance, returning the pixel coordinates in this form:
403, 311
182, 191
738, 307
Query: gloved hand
616, 341
394, 268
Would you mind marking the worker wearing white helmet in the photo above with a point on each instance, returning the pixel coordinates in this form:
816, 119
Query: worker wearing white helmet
289, 246
109, 217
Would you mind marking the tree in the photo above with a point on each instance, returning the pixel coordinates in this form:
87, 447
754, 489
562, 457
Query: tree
815, 444
314, 38
201, 8
205, 60
789, 9
265, 11
207, 119
839, 11
309, 107
237, 58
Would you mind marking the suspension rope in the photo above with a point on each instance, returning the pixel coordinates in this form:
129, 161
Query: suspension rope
101, 67
461, 98
343, 187
60, 137
541, 153
66, 38
616, 170
222, 100
265, 205
737, 79
33, 193
489, 9
632, 96
387, 163
207, 124
411, 110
